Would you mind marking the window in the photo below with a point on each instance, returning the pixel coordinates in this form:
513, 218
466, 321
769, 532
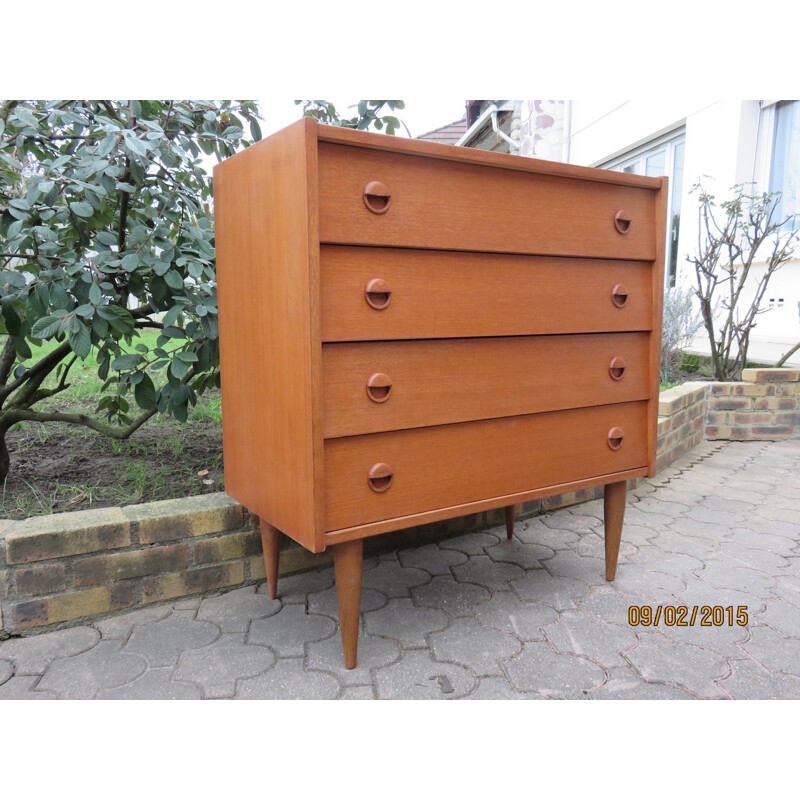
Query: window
664, 157
784, 168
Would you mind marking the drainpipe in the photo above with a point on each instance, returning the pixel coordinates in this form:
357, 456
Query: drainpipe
567, 131
491, 111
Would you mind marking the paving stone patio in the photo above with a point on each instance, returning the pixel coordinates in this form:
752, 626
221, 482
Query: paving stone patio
479, 617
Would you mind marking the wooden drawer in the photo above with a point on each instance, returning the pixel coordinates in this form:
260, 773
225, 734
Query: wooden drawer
457, 206
439, 294
454, 380
449, 465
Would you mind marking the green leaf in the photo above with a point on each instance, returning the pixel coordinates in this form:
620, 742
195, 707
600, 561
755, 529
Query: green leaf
145, 393
178, 368
82, 209
45, 327
79, 340
255, 130
174, 280
95, 294
126, 361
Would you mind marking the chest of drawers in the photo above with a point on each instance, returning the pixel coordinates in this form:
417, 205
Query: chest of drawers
412, 331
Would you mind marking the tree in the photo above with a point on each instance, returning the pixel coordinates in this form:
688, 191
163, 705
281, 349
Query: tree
106, 230
368, 114
732, 238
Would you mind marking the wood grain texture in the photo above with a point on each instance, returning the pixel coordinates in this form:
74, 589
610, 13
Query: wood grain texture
459, 206
396, 144
613, 516
348, 559
271, 545
454, 464
442, 294
269, 332
475, 506
657, 284
440, 381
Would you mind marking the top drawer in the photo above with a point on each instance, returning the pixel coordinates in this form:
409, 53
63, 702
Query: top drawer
432, 203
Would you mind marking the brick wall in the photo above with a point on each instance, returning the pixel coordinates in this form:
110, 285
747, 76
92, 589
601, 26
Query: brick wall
764, 405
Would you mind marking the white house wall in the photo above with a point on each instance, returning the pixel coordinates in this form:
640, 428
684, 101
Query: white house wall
721, 144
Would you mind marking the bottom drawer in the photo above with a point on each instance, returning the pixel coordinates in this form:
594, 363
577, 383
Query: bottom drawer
384, 475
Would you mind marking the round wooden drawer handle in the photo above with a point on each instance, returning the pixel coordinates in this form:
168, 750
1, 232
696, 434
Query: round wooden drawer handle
378, 293
616, 369
615, 437
619, 296
379, 477
379, 387
377, 197
622, 222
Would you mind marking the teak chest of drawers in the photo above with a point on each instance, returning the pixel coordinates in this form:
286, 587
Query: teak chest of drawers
412, 331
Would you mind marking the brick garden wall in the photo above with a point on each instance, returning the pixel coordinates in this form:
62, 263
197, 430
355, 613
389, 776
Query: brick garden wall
65, 569
765, 405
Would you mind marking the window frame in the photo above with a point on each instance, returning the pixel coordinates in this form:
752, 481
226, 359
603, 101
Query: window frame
638, 155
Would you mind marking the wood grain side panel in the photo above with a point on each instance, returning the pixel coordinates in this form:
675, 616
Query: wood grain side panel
456, 206
264, 290
442, 381
455, 464
444, 294
657, 284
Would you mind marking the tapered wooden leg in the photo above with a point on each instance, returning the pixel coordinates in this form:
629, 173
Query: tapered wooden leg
511, 515
348, 559
271, 542
614, 512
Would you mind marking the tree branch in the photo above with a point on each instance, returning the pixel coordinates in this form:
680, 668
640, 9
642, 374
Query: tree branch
115, 432
7, 360
38, 372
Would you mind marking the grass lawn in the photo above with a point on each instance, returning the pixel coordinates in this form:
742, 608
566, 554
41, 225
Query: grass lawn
59, 467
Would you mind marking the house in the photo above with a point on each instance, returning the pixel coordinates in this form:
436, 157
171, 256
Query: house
730, 141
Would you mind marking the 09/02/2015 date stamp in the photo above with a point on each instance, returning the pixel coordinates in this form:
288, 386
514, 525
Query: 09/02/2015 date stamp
684, 616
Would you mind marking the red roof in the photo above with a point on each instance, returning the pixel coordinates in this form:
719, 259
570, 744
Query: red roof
447, 134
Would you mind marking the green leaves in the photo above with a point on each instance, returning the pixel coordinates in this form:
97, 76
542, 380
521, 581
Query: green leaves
45, 327
82, 209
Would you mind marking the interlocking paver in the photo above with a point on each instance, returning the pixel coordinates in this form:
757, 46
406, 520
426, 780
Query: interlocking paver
773, 650
154, 684
471, 544
559, 592
625, 684
288, 680
289, 631
467, 642
524, 619
393, 579
161, 643
521, 554
540, 669
121, 626
751, 681
576, 634
480, 617
432, 558
537, 533
23, 687
217, 667
327, 603
31, 655
660, 660
374, 652
492, 575
404, 622
233, 611
454, 598
80, 677
490, 688
416, 677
